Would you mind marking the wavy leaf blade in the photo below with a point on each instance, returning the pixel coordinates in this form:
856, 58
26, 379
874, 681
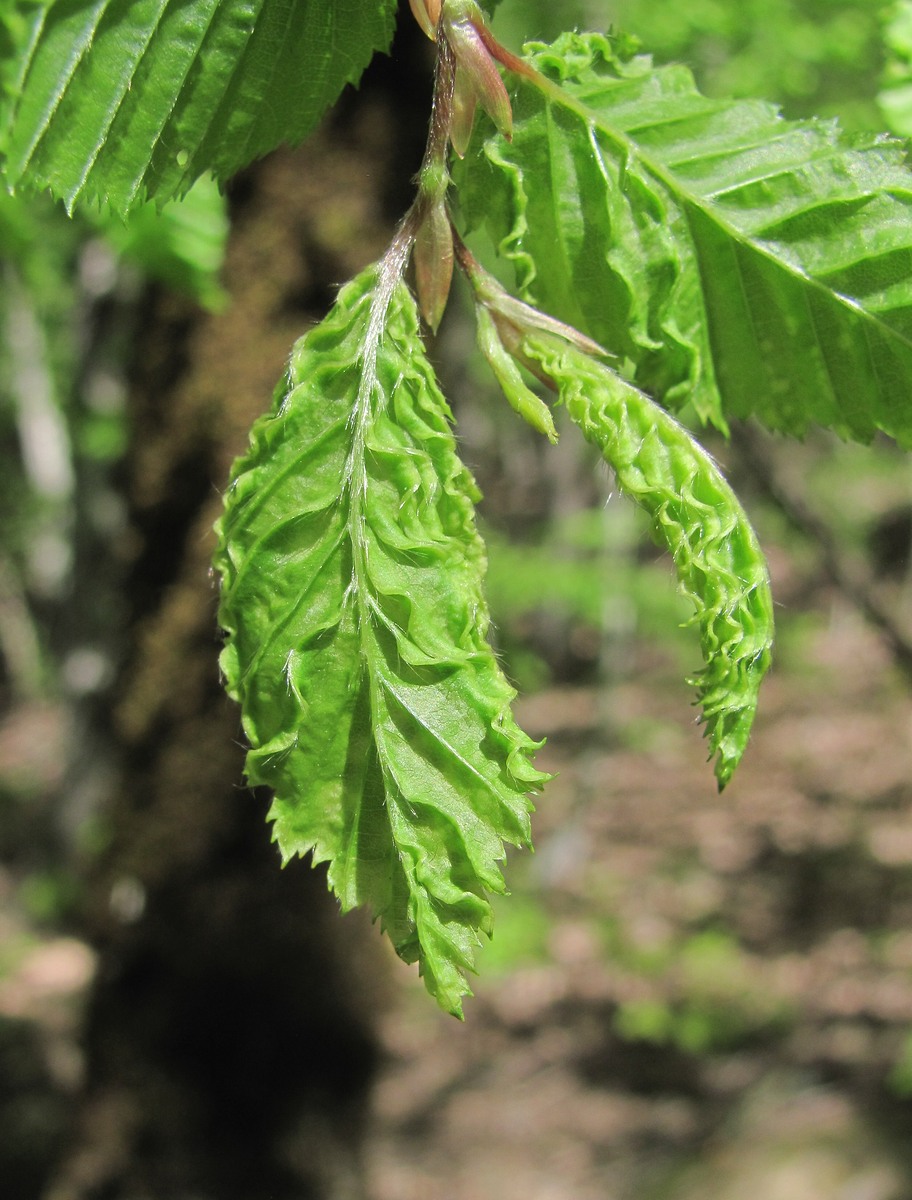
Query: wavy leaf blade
743, 263
122, 100
352, 598
695, 514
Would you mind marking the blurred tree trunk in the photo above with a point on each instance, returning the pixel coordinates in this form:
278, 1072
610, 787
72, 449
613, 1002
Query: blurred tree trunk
229, 1038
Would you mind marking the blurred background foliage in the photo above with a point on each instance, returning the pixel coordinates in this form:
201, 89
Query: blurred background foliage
821, 57
69, 302
583, 607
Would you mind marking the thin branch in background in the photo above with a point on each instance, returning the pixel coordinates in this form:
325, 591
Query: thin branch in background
43, 437
20, 647
44, 441
772, 480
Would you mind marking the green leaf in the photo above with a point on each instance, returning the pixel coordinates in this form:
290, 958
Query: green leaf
520, 398
19, 22
123, 100
740, 262
694, 512
351, 595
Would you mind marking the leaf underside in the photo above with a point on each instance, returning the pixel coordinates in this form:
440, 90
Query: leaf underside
124, 100
351, 595
695, 514
748, 265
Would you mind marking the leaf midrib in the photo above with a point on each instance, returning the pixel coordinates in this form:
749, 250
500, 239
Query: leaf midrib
628, 148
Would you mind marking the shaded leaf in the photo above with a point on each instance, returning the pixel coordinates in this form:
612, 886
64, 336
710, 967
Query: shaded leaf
182, 244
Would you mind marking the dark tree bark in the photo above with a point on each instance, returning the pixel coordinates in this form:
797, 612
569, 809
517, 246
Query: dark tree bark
229, 1040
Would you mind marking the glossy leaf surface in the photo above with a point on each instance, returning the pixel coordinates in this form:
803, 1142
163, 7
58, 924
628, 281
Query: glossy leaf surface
742, 263
123, 100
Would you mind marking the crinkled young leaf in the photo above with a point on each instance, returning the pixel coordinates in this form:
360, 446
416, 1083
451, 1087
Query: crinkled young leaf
352, 598
743, 263
123, 100
697, 516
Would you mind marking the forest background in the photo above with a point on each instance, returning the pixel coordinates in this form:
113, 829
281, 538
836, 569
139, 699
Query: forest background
687, 994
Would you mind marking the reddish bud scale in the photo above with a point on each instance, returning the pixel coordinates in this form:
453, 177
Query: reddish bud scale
427, 14
480, 73
463, 117
504, 56
433, 257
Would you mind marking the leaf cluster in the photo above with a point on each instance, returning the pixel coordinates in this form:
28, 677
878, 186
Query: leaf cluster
117, 101
743, 265
352, 596
674, 253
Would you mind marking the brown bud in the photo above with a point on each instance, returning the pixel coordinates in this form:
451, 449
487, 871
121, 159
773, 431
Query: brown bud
433, 255
475, 64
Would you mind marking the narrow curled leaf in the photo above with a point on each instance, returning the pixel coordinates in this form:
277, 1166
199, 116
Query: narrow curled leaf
352, 599
123, 100
520, 397
696, 515
742, 263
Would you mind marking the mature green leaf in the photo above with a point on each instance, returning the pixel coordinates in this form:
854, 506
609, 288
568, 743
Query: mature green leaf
19, 23
741, 262
373, 704
694, 513
122, 100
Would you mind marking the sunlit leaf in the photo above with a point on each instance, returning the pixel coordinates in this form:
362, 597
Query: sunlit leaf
741, 263
122, 100
351, 595
696, 515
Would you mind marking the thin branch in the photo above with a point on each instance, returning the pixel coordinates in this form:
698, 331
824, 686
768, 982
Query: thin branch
848, 576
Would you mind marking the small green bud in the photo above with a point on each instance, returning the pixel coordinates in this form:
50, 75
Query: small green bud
463, 118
